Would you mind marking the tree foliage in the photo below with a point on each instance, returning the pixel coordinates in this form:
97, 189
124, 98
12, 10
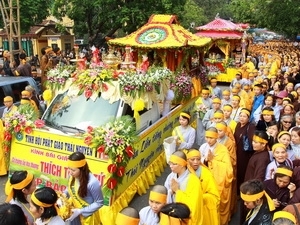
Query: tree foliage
213, 7
32, 12
193, 15
100, 18
277, 15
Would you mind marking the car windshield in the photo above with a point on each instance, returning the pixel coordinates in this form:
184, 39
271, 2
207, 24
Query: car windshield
78, 112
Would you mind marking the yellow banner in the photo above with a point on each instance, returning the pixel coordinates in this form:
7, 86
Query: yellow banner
45, 154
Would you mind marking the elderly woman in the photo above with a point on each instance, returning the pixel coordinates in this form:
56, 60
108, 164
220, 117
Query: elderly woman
285, 122
280, 188
243, 128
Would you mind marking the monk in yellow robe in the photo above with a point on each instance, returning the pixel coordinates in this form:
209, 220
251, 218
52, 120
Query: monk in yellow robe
211, 196
235, 91
217, 158
231, 146
3, 160
184, 187
227, 110
244, 96
247, 66
250, 96
274, 66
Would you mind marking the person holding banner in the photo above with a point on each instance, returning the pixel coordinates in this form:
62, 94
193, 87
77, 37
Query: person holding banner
17, 188
44, 208
84, 191
184, 134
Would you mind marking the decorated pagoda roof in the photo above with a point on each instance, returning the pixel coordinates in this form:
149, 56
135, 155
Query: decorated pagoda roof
219, 24
161, 31
221, 29
220, 34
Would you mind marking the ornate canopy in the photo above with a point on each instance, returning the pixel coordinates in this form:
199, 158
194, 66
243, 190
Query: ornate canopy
161, 31
221, 29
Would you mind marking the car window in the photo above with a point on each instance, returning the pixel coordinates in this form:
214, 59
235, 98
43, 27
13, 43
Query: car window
17, 88
77, 111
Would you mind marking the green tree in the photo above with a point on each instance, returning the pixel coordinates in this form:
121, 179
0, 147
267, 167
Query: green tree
32, 12
214, 7
102, 18
278, 15
193, 15
243, 11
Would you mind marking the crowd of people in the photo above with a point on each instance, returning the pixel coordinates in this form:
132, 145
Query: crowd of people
247, 139
244, 145
26, 204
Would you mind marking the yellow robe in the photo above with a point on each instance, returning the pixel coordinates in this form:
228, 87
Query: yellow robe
250, 95
245, 101
231, 146
192, 196
196, 90
221, 168
274, 68
211, 196
232, 125
3, 167
246, 68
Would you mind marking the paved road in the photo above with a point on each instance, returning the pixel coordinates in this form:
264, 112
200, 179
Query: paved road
3, 180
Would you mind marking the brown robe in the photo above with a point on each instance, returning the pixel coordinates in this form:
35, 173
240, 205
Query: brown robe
257, 166
242, 157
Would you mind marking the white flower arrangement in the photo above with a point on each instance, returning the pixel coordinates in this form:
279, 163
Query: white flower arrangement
134, 84
57, 77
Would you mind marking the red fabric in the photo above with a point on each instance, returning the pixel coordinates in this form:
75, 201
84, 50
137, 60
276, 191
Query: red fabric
216, 34
217, 64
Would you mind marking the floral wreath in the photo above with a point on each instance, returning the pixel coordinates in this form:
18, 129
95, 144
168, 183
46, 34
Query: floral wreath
114, 139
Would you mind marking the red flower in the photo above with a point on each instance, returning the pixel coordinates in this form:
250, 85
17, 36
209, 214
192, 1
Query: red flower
39, 123
89, 129
104, 87
17, 128
88, 140
28, 130
7, 136
121, 171
111, 183
116, 74
112, 168
95, 87
119, 159
88, 93
129, 150
101, 149
6, 148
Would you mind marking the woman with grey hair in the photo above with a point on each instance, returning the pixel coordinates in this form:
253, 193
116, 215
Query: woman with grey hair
286, 122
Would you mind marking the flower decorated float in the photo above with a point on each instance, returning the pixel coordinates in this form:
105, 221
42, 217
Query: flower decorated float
227, 50
111, 114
